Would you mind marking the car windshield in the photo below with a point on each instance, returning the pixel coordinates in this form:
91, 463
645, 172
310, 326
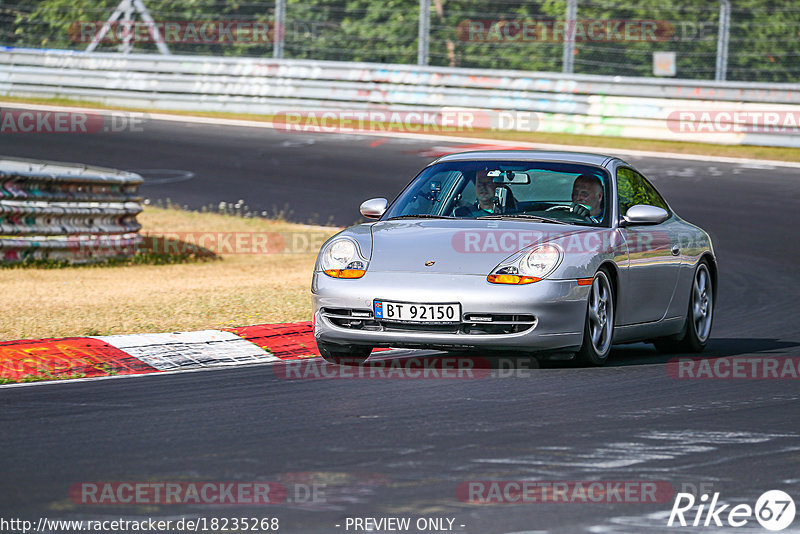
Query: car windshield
563, 192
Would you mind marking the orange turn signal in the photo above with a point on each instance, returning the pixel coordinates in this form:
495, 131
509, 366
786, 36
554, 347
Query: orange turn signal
345, 273
511, 279
585, 281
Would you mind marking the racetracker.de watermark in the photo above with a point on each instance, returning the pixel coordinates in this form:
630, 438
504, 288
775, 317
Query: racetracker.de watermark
403, 121
438, 368
491, 241
149, 493
25, 121
174, 32
574, 491
735, 368
190, 243
559, 31
734, 121
147, 524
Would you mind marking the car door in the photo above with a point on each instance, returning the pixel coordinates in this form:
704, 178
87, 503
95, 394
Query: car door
654, 263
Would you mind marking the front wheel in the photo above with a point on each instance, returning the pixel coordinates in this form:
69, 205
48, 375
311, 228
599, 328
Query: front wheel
343, 354
598, 330
697, 328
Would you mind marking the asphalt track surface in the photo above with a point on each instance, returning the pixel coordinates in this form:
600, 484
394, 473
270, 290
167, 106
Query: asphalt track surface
400, 448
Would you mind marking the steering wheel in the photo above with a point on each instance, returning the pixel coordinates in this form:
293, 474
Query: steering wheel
570, 209
460, 211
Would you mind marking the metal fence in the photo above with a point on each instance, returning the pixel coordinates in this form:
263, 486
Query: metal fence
66, 212
559, 103
744, 40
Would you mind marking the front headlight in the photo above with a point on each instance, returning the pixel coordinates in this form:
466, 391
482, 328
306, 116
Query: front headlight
341, 259
527, 267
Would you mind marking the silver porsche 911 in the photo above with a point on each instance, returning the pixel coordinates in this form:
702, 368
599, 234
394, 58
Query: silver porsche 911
549, 252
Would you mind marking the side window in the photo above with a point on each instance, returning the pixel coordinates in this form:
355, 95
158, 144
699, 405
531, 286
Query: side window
467, 195
430, 193
653, 198
633, 189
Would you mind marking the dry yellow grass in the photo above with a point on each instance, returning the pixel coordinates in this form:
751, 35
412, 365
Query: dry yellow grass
239, 289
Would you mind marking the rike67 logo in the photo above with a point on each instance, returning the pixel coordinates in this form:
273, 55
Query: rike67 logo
774, 510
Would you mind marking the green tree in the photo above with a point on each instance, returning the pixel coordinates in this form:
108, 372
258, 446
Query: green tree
764, 39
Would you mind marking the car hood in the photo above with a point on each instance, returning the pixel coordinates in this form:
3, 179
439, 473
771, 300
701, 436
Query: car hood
455, 246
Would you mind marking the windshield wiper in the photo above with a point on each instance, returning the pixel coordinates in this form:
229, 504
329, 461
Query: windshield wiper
523, 216
420, 216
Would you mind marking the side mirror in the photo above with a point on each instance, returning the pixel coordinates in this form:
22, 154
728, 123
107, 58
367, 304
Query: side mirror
374, 208
644, 214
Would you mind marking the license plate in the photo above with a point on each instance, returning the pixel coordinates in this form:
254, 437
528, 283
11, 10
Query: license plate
417, 312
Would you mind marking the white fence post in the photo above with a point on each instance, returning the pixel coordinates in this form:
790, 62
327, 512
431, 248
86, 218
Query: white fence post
568, 59
722, 39
424, 37
279, 29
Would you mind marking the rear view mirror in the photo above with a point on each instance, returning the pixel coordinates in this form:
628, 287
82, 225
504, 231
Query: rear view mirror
509, 177
374, 208
644, 214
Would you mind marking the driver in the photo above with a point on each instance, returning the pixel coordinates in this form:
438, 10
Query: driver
485, 189
587, 197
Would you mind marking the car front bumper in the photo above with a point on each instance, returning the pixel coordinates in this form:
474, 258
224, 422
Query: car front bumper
559, 308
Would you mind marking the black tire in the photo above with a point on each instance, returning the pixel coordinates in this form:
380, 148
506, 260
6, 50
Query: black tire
343, 354
598, 329
699, 316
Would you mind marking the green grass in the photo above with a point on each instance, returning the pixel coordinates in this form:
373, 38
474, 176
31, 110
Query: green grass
41, 378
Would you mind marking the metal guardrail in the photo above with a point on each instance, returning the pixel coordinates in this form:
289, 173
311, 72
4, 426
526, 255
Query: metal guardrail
133, 67
66, 212
563, 103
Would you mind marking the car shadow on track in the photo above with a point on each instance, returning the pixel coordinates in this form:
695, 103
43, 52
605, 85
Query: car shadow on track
644, 354
621, 355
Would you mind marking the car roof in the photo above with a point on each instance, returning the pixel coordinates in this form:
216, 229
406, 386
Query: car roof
532, 155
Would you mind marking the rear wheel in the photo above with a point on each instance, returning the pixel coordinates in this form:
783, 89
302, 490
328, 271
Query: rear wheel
343, 354
598, 330
699, 316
